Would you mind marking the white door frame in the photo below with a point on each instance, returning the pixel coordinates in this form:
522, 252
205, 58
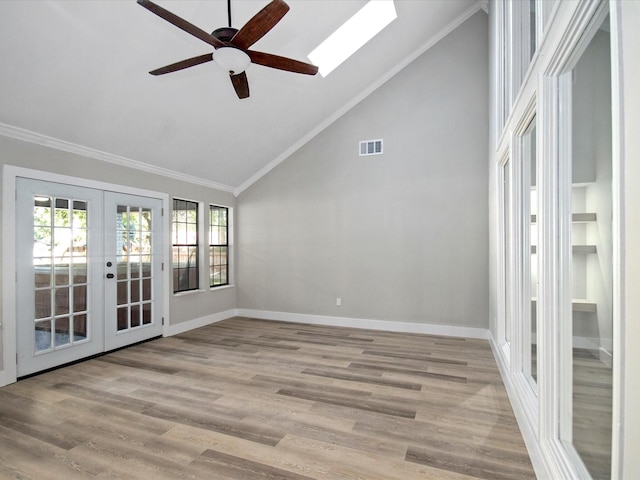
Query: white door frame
8, 371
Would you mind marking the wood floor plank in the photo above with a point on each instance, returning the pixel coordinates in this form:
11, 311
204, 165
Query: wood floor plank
89, 410
100, 396
361, 404
27, 458
278, 458
345, 463
242, 469
209, 422
253, 399
350, 376
472, 464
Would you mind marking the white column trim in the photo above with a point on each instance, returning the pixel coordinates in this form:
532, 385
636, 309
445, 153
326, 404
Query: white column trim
618, 225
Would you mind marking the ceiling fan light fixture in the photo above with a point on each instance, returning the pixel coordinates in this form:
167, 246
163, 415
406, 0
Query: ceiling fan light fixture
232, 60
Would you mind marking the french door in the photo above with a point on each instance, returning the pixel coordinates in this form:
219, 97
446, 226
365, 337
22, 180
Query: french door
133, 264
88, 272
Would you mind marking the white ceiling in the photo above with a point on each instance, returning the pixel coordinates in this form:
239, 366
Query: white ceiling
76, 71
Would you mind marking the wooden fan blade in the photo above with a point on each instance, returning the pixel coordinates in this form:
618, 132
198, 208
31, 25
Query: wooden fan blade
181, 23
281, 63
241, 84
260, 24
189, 62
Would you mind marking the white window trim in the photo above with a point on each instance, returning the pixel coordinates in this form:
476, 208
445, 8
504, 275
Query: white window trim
521, 300
505, 279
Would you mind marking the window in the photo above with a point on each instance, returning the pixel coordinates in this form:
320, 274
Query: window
185, 245
353, 34
503, 96
588, 246
530, 161
506, 210
218, 246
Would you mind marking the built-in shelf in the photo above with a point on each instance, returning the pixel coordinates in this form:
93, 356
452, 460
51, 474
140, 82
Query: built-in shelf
577, 249
575, 218
583, 217
584, 249
578, 305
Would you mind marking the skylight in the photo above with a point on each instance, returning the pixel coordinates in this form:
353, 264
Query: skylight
353, 34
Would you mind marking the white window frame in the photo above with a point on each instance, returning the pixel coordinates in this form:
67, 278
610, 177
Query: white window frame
567, 28
556, 401
200, 228
229, 246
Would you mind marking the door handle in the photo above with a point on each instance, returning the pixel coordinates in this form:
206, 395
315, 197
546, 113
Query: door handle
110, 275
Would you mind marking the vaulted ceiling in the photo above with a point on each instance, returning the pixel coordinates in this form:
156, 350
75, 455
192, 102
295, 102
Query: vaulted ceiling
74, 73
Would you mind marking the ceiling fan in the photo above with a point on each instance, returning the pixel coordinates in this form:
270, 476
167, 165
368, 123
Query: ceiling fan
232, 45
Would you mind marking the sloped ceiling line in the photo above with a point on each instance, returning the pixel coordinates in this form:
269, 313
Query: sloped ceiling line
364, 94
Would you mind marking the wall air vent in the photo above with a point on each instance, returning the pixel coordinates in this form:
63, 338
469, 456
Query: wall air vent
370, 147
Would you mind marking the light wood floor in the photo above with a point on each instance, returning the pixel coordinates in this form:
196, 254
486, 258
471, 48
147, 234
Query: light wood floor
251, 399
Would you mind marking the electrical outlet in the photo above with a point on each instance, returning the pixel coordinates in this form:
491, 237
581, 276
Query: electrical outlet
338, 302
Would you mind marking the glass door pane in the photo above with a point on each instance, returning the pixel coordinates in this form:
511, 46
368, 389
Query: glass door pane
592, 259
58, 284
60, 272
134, 269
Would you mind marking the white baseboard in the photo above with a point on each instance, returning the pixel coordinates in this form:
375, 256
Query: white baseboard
171, 330
386, 325
600, 348
586, 343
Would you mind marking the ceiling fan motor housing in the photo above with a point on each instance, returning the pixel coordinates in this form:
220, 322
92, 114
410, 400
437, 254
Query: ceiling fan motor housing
224, 34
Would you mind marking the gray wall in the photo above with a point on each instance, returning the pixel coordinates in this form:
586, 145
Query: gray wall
402, 236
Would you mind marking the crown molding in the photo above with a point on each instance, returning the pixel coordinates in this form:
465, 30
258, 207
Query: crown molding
450, 27
55, 143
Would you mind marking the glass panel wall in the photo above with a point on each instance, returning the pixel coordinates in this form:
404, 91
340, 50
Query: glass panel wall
532, 40
592, 255
530, 204
560, 198
508, 287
